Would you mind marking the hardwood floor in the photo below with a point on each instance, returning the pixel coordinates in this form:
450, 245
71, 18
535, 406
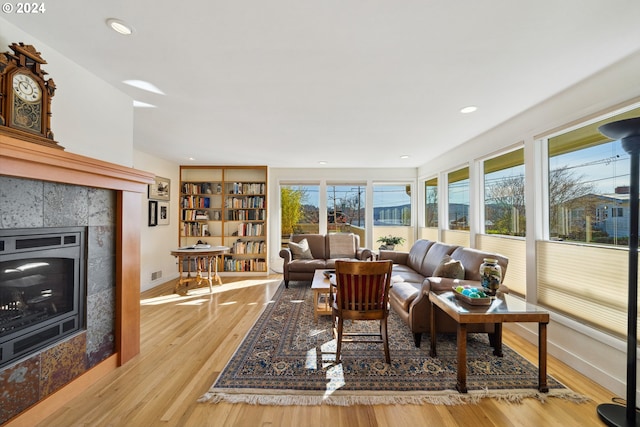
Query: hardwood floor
187, 340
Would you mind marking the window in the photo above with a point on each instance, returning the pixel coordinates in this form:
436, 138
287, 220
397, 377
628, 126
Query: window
392, 205
431, 203
458, 196
299, 209
504, 207
588, 186
392, 213
588, 198
346, 208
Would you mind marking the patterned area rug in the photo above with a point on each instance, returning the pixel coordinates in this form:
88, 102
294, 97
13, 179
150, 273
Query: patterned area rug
289, 359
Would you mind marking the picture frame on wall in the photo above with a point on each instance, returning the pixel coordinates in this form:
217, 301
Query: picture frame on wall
160, 189
163, 213
153, 213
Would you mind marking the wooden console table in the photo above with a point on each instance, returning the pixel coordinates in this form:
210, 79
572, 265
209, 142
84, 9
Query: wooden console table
205, 259
503, 309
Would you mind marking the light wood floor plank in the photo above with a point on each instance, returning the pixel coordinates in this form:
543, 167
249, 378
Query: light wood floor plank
186, 341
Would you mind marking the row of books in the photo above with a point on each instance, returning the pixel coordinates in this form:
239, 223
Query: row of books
251, 247
250, 229
201, 188
244, 202
246, 215
195, 229
245, 264
194, 202
245, 188
200, 215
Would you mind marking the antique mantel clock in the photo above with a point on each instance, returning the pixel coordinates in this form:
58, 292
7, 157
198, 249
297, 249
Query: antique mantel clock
25, 96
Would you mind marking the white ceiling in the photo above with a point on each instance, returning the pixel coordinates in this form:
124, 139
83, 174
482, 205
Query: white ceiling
288, 83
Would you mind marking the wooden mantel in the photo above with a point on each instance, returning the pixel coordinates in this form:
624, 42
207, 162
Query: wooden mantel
27, 160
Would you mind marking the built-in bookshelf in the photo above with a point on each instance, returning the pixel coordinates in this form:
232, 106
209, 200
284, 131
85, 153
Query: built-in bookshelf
226, 205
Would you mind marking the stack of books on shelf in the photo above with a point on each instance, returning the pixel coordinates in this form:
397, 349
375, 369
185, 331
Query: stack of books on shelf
194, 215
198, 188
231, 264
194, 202
250, 229
248, 247
256, 202
246, 188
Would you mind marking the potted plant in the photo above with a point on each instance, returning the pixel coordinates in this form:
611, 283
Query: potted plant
389, 242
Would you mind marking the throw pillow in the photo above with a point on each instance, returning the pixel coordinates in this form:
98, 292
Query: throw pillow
449, 268
300, 250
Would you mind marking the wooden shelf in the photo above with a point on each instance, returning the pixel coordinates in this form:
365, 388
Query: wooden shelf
226, 205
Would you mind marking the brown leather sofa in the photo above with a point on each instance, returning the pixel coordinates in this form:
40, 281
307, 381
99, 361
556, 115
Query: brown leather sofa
325, 250
413, 279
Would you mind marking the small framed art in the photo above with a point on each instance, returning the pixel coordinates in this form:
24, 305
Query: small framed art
163, 213
160, 189
153, 213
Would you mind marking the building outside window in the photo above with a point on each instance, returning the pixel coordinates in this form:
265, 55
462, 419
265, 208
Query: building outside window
458, 197
504, 204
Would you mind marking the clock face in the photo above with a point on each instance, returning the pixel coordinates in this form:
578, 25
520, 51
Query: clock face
26, 88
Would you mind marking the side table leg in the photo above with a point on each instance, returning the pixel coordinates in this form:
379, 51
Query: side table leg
433, 352
497, 349
542, 358
461, 386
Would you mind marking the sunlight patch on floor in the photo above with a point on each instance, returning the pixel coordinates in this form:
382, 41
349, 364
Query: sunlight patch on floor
199, 293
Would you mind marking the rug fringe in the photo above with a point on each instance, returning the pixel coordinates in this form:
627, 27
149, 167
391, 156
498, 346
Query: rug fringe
445, 397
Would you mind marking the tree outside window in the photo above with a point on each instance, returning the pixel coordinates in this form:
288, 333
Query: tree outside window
504, 204
431, 203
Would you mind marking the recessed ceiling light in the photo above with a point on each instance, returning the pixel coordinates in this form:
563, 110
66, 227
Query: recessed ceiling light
191, 158
141, 84
404, 156
469, 109
120, 26
323, 162
140, 104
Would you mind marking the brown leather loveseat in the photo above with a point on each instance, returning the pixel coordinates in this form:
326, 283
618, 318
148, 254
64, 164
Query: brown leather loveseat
308, 252
413, 278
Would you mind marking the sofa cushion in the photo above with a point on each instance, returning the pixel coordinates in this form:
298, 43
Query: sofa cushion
472, 258
316, 243
436, 252
404, 293
417, 253
342, 245
307, 265
300, 250
407, 274
449, 267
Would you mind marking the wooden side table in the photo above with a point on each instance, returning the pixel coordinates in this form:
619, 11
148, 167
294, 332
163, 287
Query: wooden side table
205, 261
503, 309
320, 286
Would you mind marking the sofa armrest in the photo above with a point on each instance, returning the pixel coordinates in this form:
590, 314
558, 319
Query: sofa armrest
286, 255
364, 254
396, 256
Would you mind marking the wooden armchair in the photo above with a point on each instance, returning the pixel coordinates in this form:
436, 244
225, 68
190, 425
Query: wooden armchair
361, 293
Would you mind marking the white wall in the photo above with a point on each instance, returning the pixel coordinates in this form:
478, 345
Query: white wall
157, 242
89, 117
596, 355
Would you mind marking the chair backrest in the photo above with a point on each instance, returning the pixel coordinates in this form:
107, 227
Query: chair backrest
363, 286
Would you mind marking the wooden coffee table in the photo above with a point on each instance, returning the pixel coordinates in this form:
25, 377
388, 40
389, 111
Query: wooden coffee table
503, 309
320, 286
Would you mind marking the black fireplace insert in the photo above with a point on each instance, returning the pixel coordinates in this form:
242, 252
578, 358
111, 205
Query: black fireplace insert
42, 288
